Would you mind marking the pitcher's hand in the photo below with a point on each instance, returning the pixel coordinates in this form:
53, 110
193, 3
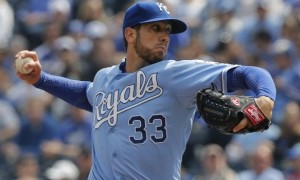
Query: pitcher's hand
33, 76
266, 106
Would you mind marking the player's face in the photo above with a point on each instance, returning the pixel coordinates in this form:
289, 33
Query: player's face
152, 41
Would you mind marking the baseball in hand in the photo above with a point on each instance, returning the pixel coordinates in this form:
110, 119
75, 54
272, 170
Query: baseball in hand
20, 65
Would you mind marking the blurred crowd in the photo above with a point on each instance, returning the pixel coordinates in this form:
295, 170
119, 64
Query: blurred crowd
42, 137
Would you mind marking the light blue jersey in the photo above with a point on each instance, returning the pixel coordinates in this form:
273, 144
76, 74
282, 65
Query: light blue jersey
143, 120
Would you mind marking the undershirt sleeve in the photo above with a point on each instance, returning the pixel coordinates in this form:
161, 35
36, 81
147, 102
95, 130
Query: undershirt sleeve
254, 78
71, 91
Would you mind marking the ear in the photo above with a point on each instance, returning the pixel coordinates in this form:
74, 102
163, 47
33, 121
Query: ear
130, 34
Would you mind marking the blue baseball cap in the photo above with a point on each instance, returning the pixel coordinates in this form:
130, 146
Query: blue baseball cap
146, 12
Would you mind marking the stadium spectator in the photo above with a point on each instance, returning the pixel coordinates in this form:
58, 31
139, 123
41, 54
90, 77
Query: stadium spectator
213, 163
261, 164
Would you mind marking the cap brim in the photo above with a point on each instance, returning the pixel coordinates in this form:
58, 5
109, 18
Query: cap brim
178, 26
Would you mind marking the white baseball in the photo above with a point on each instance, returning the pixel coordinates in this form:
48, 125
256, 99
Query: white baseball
20, 65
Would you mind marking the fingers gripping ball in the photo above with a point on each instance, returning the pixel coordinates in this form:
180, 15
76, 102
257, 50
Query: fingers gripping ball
22, 67
224, 112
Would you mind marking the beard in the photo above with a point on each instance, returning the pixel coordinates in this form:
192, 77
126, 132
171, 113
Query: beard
146, 53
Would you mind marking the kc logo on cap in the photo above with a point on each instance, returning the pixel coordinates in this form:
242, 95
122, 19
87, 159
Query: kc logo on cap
163, 7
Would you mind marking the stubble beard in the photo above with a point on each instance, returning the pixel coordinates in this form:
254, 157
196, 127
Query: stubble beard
146, 54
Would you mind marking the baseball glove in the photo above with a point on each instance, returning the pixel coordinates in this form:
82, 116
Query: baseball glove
223, 112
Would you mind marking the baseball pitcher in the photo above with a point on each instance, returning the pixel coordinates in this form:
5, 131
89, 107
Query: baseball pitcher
143, 108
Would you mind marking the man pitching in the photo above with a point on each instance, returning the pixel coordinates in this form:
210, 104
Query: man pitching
144, 107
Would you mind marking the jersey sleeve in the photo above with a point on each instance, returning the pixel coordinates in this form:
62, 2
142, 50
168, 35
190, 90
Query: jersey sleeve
187, 77
190, 76
89, 92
